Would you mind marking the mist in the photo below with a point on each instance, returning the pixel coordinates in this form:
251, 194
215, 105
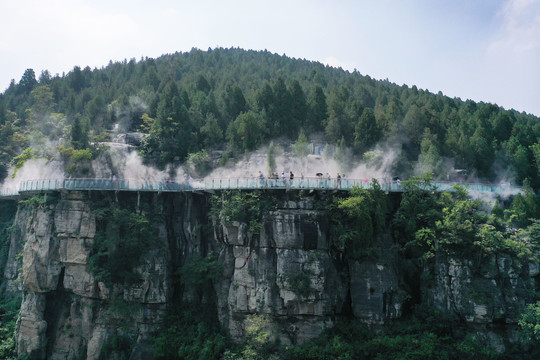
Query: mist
380, 165
121, 161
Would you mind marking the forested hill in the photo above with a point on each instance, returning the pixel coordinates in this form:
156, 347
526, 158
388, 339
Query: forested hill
236, 100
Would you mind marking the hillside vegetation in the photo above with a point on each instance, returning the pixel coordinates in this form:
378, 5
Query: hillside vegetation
237, 100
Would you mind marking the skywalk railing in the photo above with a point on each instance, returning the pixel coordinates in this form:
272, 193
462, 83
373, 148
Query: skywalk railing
8, 193
237, 183
200, 185
101, 184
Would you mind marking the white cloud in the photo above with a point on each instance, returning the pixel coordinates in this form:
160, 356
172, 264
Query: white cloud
521, 28
509, 69
334, 62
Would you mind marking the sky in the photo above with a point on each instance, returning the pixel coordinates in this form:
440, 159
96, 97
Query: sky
484, 50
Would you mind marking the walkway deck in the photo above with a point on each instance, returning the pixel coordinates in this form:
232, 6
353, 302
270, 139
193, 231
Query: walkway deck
35, 186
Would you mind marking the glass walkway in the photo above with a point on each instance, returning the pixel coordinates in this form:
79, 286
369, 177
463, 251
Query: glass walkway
210, 185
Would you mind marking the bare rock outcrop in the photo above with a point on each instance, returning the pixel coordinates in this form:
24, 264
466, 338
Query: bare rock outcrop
289, 274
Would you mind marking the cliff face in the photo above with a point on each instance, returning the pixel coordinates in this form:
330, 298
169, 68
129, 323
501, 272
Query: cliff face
488, 297
287, 273
65, 313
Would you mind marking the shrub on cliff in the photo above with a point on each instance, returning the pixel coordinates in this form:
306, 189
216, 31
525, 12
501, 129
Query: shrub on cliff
198, 270
122, 238
191, 333
246, 207
359, 219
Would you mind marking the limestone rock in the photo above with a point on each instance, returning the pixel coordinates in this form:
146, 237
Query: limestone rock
31, 326
63, 299
288, 274
374, 288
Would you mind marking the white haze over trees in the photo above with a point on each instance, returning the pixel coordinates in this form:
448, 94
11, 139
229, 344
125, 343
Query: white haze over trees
124, 163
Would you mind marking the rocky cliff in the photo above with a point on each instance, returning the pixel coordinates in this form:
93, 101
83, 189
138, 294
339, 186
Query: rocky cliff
488, 297
289, 271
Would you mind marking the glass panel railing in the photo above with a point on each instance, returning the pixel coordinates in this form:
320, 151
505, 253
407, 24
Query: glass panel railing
251, 183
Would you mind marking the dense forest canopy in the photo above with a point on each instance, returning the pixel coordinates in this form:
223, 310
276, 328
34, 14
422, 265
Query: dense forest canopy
237, 100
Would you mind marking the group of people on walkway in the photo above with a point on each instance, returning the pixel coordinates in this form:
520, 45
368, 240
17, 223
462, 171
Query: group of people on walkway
291, 177
275, 176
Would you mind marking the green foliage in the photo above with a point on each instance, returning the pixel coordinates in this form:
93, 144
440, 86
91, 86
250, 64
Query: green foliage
246, 207
452, 223
77, 162
246, 132
300, 282
342, 156
122, 239
191, 333
198, 270
170, 134
7, 216
366, 131
9, 311
530, 322
79, 133
224, 159
414, 346
11, 144
424, 336
518, 157
526, 242
525, 206
317, 109
429, 159
9, 307
147, 123
81, 155
234, 100
360, 219
19, 160
260, 341
199, 163
461, 221
536, 154
419, 207
118, 346
429, 222
301, 146
211, 132
28, 81
271, 158
34, 202
120, 308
